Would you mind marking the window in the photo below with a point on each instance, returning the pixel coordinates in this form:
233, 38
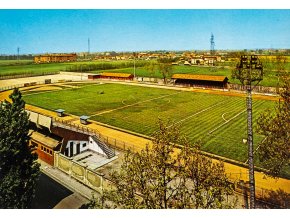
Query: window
42, 148
50, 152
84, 145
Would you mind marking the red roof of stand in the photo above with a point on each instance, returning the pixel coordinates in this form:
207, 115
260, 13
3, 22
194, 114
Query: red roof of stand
200, 77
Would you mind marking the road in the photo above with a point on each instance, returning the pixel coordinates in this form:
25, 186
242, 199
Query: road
49, 193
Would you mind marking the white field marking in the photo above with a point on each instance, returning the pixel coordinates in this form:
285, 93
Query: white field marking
223, 116
206, 109
129, 105
56, 90
256, 149
238, 114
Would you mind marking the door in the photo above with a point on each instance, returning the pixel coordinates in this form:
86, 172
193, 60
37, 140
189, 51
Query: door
78, 148
71, 149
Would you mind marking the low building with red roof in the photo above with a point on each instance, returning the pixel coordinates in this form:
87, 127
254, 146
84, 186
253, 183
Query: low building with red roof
206, 81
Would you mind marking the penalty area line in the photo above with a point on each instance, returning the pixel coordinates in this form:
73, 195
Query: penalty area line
238, 114
206, 109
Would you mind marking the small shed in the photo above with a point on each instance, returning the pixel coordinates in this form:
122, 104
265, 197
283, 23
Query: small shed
206, 81
60, 112
117, 76
84, 119
47, 81
94, 76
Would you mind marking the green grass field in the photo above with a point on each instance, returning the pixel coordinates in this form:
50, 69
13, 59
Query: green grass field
219, 121
26, 67
30, 68
14, 62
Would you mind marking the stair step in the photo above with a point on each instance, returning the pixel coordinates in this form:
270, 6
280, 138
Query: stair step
107, 150
104, 147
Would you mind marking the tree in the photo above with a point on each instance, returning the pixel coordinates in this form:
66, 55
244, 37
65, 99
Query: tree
162, 176
274, 150
18, 168
165, 68
151, 68
280, 66
205, 183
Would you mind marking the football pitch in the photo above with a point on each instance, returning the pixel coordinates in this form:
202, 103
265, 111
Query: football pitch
219, 121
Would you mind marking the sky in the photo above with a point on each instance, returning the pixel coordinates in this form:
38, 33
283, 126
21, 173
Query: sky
53, 31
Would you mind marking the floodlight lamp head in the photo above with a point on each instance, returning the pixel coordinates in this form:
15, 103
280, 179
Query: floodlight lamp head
249, 70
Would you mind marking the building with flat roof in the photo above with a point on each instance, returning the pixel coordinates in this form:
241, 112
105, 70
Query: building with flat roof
206, 81
45, 146
109, 75
49, 58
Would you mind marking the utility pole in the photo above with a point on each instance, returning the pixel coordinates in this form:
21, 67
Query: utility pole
134, 54
89, 46
250, 72
18, 51
212, 44
81, 72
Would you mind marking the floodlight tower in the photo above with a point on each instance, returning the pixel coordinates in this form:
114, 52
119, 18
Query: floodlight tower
250, 72
212, 44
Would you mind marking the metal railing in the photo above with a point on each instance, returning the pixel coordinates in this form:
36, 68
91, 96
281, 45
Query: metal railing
257, 89
5, 88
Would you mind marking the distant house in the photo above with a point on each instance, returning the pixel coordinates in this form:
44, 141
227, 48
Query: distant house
206, 81
210, 60
197, 60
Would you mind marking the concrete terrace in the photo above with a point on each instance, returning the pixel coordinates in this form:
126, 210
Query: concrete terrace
92, 160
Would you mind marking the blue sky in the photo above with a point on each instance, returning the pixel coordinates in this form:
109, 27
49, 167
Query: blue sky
41, 31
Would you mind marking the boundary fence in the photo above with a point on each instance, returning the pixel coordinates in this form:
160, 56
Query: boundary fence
81, 173
3, 77
237, 87
257, 89
31, 84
